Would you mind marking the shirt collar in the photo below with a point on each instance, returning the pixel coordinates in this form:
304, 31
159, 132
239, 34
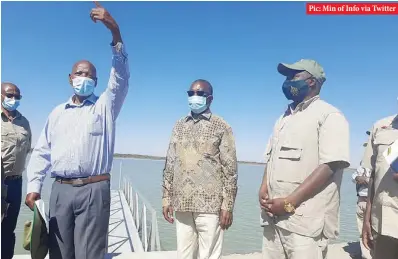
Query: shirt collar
92, 99
17, 114
206, 115
302, 106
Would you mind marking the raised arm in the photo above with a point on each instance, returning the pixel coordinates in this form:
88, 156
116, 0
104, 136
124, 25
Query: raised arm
39, 163
119, 77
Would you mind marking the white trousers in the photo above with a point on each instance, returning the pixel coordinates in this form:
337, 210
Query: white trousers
199, 236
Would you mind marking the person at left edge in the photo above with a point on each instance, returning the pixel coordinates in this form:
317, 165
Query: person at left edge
77, 147
16, 141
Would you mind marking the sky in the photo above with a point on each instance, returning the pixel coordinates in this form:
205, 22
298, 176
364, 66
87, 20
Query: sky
234, 45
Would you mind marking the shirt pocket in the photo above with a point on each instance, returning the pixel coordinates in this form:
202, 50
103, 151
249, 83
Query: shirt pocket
289, 163
382, 141
8, 140
95, 126
24, 139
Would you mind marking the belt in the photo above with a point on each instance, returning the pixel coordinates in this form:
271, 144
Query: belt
77, 182
13, 177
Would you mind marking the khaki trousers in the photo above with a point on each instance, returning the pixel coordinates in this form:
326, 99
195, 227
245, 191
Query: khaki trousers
199, 236
361, 208
279, 243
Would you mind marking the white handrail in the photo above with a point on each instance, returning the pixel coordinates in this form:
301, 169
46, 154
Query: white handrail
139, 207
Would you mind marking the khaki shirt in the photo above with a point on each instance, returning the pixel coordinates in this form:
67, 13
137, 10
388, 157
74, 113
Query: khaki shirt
384, 215
200, 173
16, 141
313, 134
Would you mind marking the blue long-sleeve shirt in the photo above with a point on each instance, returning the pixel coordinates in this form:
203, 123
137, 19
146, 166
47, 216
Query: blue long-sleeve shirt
79, 140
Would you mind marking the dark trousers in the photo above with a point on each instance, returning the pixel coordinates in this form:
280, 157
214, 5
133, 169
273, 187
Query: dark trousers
79, 219
9, 223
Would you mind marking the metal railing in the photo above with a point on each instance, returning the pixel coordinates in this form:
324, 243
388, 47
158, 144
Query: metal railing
145, 217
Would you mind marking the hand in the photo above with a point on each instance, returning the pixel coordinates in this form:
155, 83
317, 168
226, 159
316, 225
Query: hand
168, 214
31, 198
361, 180
367, 238
394, 175
276, 206
262, 198
226, 218
100, 14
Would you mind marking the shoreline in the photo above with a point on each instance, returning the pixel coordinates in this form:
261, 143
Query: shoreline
161, 158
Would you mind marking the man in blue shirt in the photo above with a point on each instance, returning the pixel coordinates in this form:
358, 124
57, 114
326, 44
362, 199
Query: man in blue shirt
76, 146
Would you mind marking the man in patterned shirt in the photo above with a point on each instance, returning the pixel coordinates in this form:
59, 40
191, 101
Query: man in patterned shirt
200, 177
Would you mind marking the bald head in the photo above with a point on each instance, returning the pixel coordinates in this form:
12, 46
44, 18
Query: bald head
84, 68
10, 90
9, 87
202, 85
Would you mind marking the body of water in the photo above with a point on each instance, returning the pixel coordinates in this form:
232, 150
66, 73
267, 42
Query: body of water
245, 235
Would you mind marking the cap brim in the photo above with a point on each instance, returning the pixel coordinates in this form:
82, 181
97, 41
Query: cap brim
288, 69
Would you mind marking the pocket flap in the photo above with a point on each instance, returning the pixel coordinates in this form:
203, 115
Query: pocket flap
385, 138
290, 153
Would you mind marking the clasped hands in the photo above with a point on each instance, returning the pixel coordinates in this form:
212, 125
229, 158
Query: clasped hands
273, 207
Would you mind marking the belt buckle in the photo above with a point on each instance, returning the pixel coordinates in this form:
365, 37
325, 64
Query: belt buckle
77, 182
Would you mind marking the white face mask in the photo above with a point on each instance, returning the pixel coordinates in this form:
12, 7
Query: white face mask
197, 104
10, 104
83, 86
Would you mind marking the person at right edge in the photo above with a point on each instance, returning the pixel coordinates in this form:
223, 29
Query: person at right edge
380, 225
305, 158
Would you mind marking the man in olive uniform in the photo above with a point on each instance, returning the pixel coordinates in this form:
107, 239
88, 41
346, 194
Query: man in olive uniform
15, 146
305, 158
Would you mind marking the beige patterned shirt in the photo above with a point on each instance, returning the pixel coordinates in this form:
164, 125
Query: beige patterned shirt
200, 173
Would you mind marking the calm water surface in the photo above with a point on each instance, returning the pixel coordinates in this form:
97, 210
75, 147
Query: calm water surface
245, 234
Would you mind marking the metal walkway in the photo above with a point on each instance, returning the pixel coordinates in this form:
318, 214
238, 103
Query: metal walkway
122, 234
133, 227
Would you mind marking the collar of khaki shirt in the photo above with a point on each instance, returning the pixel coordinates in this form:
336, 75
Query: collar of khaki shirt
206, 115
17, 115
301, 106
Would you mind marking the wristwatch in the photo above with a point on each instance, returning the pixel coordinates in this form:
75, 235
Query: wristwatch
289, 207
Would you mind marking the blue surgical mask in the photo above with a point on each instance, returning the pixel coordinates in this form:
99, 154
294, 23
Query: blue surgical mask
83, 86
197, 104
295, 90
10, 104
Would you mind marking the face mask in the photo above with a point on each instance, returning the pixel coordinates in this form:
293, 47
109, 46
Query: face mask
10, 104
83, 86
197, 104
295, 90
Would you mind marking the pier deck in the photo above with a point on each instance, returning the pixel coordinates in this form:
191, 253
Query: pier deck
123, 237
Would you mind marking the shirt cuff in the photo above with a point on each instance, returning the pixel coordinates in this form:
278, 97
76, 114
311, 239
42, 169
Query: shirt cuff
166, 202
119, 50
227, 205
34, 187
